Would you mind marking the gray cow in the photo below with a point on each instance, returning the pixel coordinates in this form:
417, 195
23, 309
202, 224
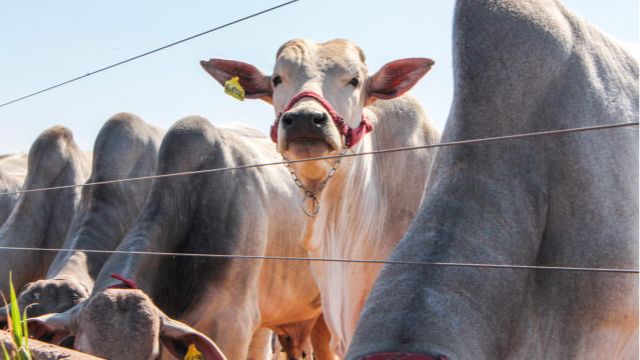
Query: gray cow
126, 147
571, 200
13, 168
42, 219
246, 212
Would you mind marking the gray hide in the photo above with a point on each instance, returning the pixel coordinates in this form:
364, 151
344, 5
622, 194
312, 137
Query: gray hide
13, 168
226, 299
570, 200
126, 147
42, 219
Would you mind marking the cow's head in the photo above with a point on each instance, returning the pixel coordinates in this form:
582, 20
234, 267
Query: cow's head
52, 296
122, 323
336, 72
48, 296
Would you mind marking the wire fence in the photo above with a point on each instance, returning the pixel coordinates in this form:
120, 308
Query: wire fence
257, 165
341, 260
376, 152
147, 53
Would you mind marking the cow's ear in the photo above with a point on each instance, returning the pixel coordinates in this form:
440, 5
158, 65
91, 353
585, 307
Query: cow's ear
396, 78
256, 85
177, 337
53, 328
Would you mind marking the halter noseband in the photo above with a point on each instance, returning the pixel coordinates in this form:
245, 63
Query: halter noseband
351, 135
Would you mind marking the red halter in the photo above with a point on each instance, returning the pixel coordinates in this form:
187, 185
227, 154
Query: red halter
351, 136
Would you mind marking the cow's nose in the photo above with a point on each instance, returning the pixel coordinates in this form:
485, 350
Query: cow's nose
305, 118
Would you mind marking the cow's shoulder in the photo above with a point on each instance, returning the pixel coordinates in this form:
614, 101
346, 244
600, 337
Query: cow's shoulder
400, 122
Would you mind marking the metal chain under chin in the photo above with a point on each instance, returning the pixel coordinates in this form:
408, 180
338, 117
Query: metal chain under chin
313, 195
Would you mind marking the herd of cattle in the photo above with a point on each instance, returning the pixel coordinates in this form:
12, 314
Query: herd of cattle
569, 200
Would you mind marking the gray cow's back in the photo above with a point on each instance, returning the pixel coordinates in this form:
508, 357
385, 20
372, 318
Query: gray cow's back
13, 170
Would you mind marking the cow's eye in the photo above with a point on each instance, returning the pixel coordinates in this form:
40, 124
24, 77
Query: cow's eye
276, 80
355, 82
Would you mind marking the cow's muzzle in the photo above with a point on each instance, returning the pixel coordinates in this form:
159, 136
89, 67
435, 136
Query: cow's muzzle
351, 135
307, 127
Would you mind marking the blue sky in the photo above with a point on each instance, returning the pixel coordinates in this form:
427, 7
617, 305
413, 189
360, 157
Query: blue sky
47, 42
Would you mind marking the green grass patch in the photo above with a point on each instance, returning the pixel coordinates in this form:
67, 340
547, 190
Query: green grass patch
17, 328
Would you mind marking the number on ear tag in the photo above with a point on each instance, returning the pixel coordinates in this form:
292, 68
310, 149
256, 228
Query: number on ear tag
232, 87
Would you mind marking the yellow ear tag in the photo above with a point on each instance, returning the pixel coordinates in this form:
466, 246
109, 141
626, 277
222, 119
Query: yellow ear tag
232, 87
193, 353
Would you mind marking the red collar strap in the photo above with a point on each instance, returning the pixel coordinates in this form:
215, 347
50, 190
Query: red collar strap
351, 136
402, 356
126, 283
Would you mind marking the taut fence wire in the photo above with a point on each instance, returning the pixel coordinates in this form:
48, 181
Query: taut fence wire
376, 152
361, 261
147, 53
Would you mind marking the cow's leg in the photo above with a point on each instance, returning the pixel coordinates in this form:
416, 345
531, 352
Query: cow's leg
233, 333
234, 329
276, 346
260, 346
320, 340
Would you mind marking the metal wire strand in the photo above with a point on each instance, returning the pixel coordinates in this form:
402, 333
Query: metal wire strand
420, 263
148, 53
376, 152
358, 261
